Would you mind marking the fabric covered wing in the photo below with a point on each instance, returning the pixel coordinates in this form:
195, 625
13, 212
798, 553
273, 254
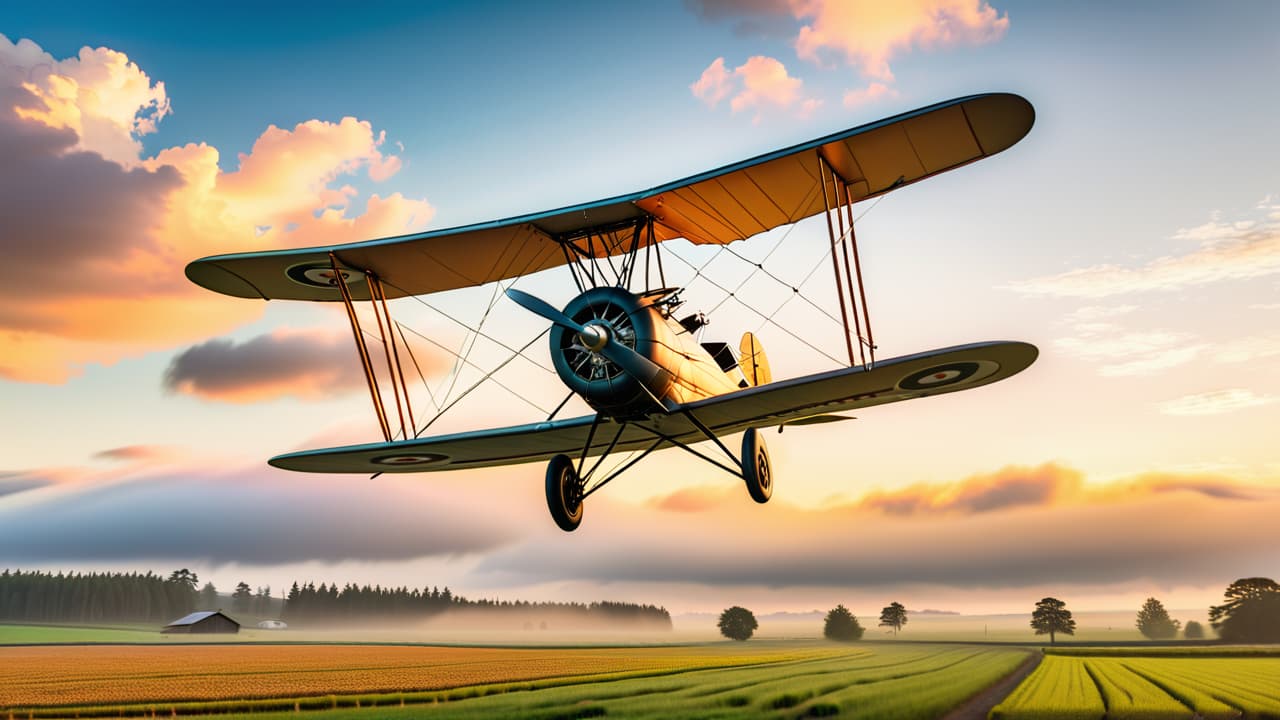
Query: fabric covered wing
732, 203
915, 376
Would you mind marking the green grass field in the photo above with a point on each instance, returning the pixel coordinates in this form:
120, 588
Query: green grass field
1125, 683
876, 682
44, 634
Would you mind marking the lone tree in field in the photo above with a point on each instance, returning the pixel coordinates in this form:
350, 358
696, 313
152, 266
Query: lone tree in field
1154, 622
842, 625
1251, 612
1051, 616
1193, 631
894, 616
737, 623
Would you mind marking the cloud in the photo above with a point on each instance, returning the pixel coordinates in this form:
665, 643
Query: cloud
1246, 349
13, 483
308, 365
1008, 488
1011, 529
765, 82
261, 517
759, 83
1216, 402
868, 34
1225, 251
104, 280
871, 93
714, 83
138, 454
750, 18
1128, 354
862, 33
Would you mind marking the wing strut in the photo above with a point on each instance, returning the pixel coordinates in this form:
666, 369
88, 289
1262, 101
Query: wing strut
340, 279
842, 205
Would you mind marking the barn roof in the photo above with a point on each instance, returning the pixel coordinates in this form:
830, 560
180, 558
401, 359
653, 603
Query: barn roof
196, 617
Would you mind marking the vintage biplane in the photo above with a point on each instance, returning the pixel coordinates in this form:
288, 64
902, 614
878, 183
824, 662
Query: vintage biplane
622, 344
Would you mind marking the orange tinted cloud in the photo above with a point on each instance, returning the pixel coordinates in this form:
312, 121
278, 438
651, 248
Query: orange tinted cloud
761, 82
868, 34
97, 235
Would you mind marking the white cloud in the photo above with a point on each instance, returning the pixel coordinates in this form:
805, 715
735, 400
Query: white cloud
1226, 251
1215, 402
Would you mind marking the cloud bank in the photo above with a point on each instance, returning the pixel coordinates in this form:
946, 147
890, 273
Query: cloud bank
1012, 529
260, 517
96, 235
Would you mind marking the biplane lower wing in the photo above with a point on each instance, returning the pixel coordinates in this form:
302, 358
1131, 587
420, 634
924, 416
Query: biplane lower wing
914, 376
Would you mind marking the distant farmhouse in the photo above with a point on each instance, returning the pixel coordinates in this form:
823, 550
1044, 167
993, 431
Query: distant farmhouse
272, 625
203, 622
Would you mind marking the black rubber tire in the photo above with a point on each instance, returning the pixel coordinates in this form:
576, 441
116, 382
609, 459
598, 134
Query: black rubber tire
564, 493
756, 469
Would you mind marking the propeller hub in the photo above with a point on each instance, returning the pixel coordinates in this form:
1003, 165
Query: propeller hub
594, 336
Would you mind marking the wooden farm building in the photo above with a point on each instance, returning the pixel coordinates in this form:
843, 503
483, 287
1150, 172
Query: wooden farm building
203, 622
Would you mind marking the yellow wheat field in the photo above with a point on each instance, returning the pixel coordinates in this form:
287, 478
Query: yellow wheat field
101, 675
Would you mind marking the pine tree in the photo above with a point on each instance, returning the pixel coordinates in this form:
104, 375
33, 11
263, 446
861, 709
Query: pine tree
1154, 622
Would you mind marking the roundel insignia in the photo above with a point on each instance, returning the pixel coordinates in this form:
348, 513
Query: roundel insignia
320, 275
954, 373
399, 460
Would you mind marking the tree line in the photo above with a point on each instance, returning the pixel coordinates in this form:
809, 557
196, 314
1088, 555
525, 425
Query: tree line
1250, 613
38, 597
355, 603
107, 597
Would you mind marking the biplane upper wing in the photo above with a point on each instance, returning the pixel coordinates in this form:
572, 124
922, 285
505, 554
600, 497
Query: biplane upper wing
930, 373
718, 207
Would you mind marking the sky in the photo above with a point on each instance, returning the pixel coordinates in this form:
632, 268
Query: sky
1133, 236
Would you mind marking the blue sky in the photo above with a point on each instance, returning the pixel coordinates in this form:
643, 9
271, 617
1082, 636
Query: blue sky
1131, 236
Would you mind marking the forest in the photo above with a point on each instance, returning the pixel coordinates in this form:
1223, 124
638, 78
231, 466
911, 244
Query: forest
41, 597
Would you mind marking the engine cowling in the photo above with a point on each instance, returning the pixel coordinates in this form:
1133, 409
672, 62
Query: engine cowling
629, 319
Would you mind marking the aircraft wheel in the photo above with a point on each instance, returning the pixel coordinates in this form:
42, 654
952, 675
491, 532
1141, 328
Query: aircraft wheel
755, 466
564, 493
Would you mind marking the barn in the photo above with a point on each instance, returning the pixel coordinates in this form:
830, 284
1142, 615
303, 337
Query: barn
203, 622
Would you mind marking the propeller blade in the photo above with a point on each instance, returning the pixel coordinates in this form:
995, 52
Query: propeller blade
644, 370
538, 306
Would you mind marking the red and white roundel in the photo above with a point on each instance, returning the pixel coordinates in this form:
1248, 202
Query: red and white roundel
955, 373
423, 459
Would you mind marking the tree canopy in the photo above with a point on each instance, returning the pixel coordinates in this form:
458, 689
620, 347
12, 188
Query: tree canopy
894, 616
1193, 630
1051, 617
1238, 594
1154, 622
737, 623
842, 625
1251, 612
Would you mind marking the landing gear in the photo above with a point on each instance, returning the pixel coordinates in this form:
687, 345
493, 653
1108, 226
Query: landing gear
564, 493
755, 466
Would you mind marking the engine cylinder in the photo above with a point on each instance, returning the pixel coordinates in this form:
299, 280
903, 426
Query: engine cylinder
630, 320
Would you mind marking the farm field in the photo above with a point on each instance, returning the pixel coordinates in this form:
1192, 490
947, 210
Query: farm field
709, 680
1163, 683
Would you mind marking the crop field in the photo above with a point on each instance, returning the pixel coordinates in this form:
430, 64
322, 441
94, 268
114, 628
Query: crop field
1163, 684
711, 680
